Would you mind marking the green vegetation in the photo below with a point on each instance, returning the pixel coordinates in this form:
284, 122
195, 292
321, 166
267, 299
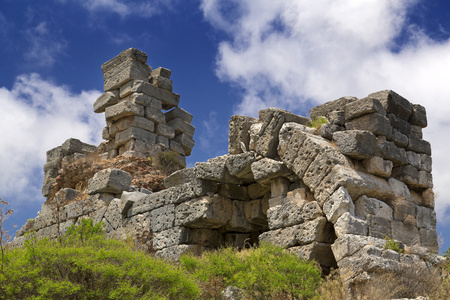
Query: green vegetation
392, 245
317, 122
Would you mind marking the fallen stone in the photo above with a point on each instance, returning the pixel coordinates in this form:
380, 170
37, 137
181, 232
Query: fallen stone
109, 181
355, 143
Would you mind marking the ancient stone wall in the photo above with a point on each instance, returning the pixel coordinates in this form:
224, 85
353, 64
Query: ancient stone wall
335, 193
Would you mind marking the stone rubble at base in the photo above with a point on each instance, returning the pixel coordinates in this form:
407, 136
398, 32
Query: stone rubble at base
333, 194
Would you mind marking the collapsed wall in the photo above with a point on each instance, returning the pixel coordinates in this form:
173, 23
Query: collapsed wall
334, 193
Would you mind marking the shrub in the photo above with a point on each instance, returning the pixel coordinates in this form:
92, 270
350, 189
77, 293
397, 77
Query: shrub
392, 245
317, 122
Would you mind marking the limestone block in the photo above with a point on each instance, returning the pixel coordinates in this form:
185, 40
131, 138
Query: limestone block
417, 131
174, 146
162, 218
215, 170
388, 150
362, 107
205, 212
163, 72
357, 184
180, 113
131, 121
52, 165
164, 130
168, 99
124, 56
123, 109
428, 198
330, 107
399, 124
378, 166
255, 212
186, 142
326, 130
320, 252
233, 191
144, 100
127, 199
394, 103
349, 224
66, 195
286, 132
134, 133
55, 154
349, 244
376, 123
109, 181
239, 165
429, 239
413, 177
267, 169
105, 134
399, 139
426, 218
288, 116
403, 208
355, 143
291, 149
279, 187
406, 234
256, 190
161, 82
239, 134
400, 189
179, 177
418, 145
155, 115
254, 135
113, 214
268, 135
365, 206
174, 253
418, 116
162, 141
379, 227
291, 213
422, 162
105, 100
181, 126
337, 204
336, 117
238, 221
180, 235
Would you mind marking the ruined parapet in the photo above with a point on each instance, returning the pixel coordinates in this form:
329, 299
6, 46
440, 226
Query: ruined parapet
133, 103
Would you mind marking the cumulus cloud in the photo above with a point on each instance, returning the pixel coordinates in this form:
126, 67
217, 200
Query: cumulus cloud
295, 54
38, 115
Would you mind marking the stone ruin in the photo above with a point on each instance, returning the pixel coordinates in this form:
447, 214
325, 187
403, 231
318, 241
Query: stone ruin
334, 194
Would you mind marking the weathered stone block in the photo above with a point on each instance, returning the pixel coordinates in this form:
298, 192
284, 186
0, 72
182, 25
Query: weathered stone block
233, 191
109, 181
163, 72
349, 224
413, 177
134, 133
426, 218
180, 113
388, 150
406, 234
399, 139
238, 221
123, 109
180, 235
399, 124
418, 116
181, 126
362, 107
365, 206
256, 211
429, 239
205, 212
394, 103
349, 244
279, 187
174, 146
105, 100
326, 130
144, 100
256, 190
286, 132
239, 165
162, 218
127, 199
375, 123
239, 134
268, 135
355, 143
337, 204
378, 166
379, 227
164, 130
400, 189
402, 209
186, 142
161, 82
266, 169
422, 162
330, 107
320, 252
174, 253
179, 177
168, 99
215, 170
254, 135
113, 214
428, 198
131, 121
154, 115
418, 145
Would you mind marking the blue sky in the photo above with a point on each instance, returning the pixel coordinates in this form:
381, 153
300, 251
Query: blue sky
226, 57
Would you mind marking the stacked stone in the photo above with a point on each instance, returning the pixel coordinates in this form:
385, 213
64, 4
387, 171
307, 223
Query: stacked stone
56, 157
133, 102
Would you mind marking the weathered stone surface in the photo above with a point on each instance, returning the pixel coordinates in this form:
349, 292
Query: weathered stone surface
349, 244
109, 181
406, 234
232, 293
105, 100
394, 103
286, 132
413, 177
327, 130
288, 116
399, 139
113, 215
418, 145
337, 204
349, 224
428, 198
362, 107
131, 121
239, 165
357, 144
123, 109
292, 213
365, 206
388, 150
144, 100
168, 99
134, 133
186, 142
279, 187
179, 177
239, 134
164, 130
233, 191
267, 143
376, 123
162, 218
399, 124
238, 221
215, 170
181, 126
155, 115
254, 135
161, 82
181, 235
320, 252
256, 190
127, 199
178, 112
378, 166
379, 227
266, 169
418, 116
174, 253
429, 239
205, 212
174, 146
426, 218
256, 211
330, 107
400, 189
421, 162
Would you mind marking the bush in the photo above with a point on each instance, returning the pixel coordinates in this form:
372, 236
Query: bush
267, 272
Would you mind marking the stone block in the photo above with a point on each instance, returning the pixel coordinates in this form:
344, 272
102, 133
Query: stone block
254, 135
399, 124
181, 126
330, 107
417, 131
422, 162
123, 109
349, 224
400, 189
413, 177
267, 169
175, 146
326, 130
134, 133
144, 100
379, 227
105, 134
406, 234
127, 199
131, 121
72, 146
378, 166
186, 142
388, 150
239, 134
180, 113
337, 204
320, 252
279, 187
429, 239
105, 100
168, 99
428, 198
291, 213
155, 115
174, 253
286, 132
113, 214
179, 177
418, 145
336, 117
161, 82
255, 212
418, 116
109, 181
238, 221
426, 218
402, 209
163, 72
233, 191
365, 206
376, 123
394, 103
164, 130
256, 190
180, 235
268, 135
239, 165
55, 154
362, 107
355, 143
350, 244
215, 170
399, 139
162, 141
162, 218
205, 212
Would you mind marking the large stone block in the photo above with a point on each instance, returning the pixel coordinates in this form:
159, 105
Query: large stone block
379, 227
256, 190
134, 133
154, 115
127, 199
186, 142
288, 116
426, 218
376, 123
144, 100
403, 209
123, 109
168, 99
268, 135
162, 218
215, 170
286, 132
362, 107
238, 221
399, 139
105, 100
239, 165
422, 162
337, 204
161, 82
406, 234
349, 244
394, 103
267, 169
179, 177
131, 121
365, 206
400, 189
388, 150
239, 134
109, 181
320, 252
181, 126
165, 130
429, 239
327, 130
349, 224
413, 177
418, 145
256, 211
378, 166
357, 144
205, 212
113, 214
292, 213
233, 191
181, 235
399, 124
178, 112
330, 107
418, 116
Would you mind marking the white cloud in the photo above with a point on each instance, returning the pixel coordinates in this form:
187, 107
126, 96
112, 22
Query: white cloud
293, 53
37, 115
124, 9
